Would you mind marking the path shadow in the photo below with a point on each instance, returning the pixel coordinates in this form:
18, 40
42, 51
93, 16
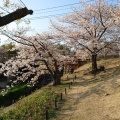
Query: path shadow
98, 89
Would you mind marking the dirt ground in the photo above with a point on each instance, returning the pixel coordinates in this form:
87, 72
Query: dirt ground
92, 101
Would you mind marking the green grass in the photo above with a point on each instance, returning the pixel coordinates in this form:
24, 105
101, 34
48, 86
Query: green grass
32, 107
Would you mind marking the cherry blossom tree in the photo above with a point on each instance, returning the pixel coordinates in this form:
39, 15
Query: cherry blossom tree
90, 27
21, 69
115, 11
82, 54
44, 46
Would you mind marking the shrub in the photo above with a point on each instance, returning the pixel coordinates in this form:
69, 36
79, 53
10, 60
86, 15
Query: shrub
12, 95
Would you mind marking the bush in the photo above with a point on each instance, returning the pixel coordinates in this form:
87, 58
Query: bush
12, 95
22, 90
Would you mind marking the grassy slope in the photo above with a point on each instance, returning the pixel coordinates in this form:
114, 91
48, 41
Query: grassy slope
33, 107
94, 97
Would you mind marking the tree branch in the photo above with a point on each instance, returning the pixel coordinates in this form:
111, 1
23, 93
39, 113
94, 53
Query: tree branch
20, 13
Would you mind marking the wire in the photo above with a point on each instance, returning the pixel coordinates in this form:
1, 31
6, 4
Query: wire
61, 6
56, 15
22, 3
57, 7
53, 11
66, 5
42, 17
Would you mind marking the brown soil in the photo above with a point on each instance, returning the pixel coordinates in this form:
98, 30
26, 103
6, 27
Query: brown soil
94, 101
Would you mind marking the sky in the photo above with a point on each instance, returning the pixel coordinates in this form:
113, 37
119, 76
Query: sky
43, 10
40, 20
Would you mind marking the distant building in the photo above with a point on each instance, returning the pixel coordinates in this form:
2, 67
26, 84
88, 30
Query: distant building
70, 66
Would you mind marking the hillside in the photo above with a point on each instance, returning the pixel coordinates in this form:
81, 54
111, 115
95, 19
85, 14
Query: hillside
94, 97
89, 98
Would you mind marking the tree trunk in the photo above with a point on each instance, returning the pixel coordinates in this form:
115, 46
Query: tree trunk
57, 78
94, 63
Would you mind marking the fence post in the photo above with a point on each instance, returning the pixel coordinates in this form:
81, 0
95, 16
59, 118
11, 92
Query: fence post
55, 103
61, 96
75, 77
69, 85
65, 91
47, 115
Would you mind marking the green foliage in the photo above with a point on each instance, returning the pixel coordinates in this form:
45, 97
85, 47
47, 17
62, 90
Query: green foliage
32, 107
12, 95
6, 3
9, 46
64, 49
60, 47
